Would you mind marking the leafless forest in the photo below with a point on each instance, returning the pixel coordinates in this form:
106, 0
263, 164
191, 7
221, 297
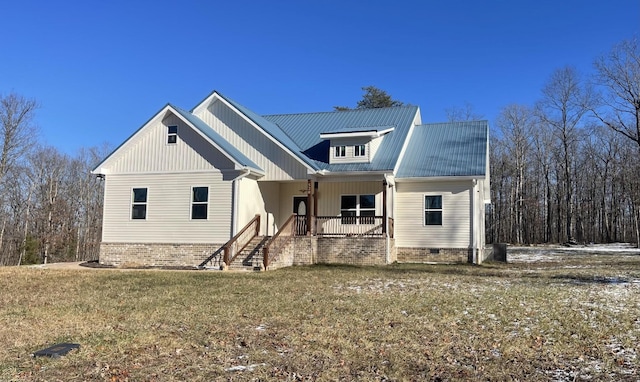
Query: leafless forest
566, 169
50, 205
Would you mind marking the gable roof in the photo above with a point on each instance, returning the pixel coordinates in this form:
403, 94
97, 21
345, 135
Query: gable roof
273, 130
197, 124
217, 140
446, 149
305, 128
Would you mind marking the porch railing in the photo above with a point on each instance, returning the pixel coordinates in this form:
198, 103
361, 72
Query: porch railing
349, 226
277, 242
240, 241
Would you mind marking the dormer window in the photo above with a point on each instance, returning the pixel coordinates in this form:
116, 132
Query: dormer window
172, 134
355, 144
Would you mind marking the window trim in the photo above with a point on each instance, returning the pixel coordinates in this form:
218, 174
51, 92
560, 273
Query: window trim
360, 150
425, 210
135, 203
358, 210
340, 151
172, 138
193, 203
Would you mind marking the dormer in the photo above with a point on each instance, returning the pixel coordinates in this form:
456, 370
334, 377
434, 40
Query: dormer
356, 145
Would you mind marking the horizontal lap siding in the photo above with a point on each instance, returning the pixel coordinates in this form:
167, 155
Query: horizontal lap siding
330, 195
410, 230
168, 209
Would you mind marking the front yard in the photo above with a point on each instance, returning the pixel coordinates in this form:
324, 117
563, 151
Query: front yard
569, 316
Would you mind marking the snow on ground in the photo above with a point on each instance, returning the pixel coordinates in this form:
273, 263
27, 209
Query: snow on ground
548, 253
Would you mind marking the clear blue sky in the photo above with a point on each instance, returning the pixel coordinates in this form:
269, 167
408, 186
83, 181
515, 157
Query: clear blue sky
100, 69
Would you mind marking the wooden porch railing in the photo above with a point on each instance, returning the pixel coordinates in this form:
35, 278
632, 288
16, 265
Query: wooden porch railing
279, 240
349, 226
240, 241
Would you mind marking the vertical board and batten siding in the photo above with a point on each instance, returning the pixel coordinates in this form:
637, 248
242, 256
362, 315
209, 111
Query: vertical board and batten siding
149, 151
286, 193
329, 196
455, 231
168, 209
276, 163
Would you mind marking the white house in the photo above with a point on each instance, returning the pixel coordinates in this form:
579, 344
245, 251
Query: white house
220, 185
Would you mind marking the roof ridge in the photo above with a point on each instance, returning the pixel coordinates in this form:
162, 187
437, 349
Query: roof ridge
340, 111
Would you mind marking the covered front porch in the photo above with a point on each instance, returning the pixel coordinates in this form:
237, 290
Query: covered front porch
315, 221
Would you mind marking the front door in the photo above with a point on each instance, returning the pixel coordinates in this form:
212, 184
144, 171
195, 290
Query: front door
300, 209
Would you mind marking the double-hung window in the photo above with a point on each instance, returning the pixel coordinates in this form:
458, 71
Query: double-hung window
358, 209
172, 134
139, 203
199, 202
359, 150
433, 210
340, 151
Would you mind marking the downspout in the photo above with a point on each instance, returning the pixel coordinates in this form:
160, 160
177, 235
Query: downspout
235, 196
473, 222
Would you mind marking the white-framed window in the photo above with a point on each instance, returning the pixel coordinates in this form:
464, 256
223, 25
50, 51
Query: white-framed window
359, 150
340, 151
358, 209
433, 210
172, 134
139, 203
199, 202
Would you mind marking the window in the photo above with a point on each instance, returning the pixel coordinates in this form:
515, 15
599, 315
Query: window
341, 151
433, 210
199, 202
359, 150
172, 134
139, 203
358, 209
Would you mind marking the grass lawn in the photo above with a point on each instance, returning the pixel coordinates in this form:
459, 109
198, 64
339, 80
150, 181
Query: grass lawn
575, 319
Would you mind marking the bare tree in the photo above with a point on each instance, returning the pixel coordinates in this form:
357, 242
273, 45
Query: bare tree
515, 123
565, 101
619, 74
462, 113
16, 129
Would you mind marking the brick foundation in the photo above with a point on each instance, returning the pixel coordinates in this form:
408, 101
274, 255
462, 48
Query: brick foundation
352, 250
436, 255
156, 255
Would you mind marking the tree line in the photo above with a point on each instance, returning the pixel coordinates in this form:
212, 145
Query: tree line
567, 168
50, 204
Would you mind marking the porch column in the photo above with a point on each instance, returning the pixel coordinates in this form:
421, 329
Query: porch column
315, 208
308, 207
384, 207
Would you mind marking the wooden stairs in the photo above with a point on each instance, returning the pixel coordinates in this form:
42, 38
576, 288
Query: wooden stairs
250, 259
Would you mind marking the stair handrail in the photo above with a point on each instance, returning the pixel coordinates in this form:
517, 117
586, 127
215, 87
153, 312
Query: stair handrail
287, 226
228, 259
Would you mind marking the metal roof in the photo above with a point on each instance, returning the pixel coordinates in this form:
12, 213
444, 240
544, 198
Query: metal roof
273, 130
446, 149
222, 143
305, 129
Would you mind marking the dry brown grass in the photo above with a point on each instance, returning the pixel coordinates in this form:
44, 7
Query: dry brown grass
574, 320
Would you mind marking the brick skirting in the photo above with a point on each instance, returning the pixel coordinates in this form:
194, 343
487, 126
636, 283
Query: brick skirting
154, 254
352, 250
436, 255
